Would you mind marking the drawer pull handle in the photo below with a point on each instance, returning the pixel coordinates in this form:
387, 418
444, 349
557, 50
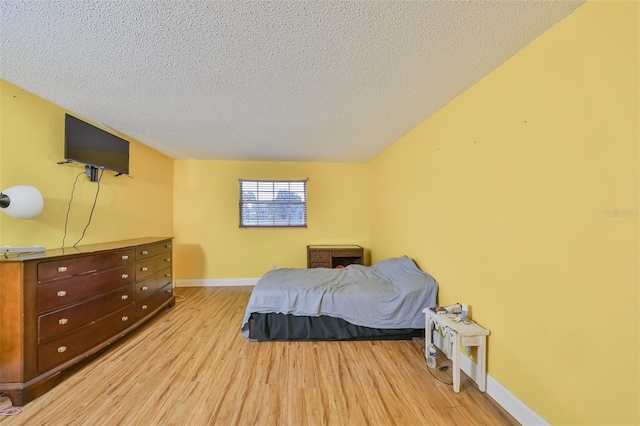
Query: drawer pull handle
167, 275
62, 269
63, 321
124, 319
144, 307
145, 252
125, 257
168, 259
144, 288
125, 276
144, 269
169, 291
125, 296
62, 349
61, 293
168, 246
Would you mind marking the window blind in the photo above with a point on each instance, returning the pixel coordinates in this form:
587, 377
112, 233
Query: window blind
272, 204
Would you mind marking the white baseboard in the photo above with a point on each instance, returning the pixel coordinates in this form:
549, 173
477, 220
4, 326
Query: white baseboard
511, 403
216, 282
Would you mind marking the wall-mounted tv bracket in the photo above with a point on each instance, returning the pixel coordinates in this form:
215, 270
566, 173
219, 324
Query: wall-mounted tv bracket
92, 172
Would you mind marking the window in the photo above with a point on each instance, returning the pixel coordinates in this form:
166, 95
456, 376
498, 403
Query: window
272, 204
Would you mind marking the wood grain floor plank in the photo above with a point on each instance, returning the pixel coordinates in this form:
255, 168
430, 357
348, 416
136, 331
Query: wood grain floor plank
191, 366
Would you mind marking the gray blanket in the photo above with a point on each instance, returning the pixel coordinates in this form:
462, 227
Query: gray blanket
390, 294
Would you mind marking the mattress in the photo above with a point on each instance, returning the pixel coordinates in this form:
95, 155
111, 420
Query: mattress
361, 301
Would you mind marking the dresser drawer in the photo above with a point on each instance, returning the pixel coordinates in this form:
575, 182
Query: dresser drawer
319, 256
319, 265
148, 286
66, 320
153, 302
146, 268
151, 250
63, 268
82, 340
65, 292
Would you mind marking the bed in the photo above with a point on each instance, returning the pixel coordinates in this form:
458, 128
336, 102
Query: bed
383, 301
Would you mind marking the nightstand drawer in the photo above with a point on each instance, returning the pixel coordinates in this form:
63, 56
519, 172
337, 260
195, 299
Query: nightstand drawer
319, 256
329, 256
346, 253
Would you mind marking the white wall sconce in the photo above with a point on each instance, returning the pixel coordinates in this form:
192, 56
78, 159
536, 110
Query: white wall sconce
21, 201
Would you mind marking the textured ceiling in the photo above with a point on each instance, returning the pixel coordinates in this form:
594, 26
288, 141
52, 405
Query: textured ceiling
258, 80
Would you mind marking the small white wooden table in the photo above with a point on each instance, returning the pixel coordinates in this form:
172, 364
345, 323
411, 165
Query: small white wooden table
461, 334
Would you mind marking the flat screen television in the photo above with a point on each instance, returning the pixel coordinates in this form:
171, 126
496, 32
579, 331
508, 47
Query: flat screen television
91, 146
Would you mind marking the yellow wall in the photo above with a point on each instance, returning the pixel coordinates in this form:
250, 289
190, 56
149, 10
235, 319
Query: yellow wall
31, 145
521, 197
209, 243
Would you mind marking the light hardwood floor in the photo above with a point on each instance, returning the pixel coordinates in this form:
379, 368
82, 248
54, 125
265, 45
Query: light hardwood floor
191, 366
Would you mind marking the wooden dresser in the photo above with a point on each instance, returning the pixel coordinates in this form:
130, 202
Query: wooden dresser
328, 256
61, 306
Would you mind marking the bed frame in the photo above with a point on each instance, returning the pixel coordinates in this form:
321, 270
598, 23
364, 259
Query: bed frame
281, 327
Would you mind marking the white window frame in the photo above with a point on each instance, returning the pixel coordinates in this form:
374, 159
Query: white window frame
272, 203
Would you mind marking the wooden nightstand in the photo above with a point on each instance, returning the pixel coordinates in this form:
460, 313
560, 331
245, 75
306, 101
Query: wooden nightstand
461, 334
327, 256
